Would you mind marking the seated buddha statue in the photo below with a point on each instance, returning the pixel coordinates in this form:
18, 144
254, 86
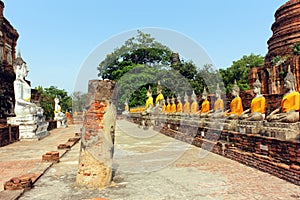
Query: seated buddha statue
289, 104
22, 90
194, 106
160, 96
179, 104
236, 106
205, 106
218, 105
149, 101
173, 106
168, 106
186, 106
258, 105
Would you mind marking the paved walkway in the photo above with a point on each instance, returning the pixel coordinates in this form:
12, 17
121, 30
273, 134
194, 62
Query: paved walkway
25, 157
150, 165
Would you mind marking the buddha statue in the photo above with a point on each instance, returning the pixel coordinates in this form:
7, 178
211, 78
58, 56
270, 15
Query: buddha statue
194, 106
289, 104
179, 104
160, 96
149, 101
205, 106
168, 106
236, 106
173, 106
58, 115
22, 90
186, 107
218, 110
258, 105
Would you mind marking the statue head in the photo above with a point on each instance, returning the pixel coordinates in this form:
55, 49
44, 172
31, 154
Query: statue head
149, 92
186, 98
257, 85
20, 67
193, 96
235, 89
178, 98
168, 100
218, 91
172, 100
159, 88
204, 94
289, 80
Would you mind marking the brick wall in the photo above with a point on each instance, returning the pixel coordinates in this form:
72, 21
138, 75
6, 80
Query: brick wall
9, 134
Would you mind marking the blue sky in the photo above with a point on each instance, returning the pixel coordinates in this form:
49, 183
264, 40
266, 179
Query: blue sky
57, 36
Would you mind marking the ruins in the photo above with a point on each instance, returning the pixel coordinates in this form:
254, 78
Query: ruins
282, 51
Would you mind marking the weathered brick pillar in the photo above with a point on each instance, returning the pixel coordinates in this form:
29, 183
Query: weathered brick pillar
96, 152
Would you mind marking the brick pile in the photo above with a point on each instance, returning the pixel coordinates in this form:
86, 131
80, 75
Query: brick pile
52, 156
71, 142
19, 183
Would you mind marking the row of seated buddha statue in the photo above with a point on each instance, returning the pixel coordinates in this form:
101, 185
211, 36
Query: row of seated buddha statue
287, 112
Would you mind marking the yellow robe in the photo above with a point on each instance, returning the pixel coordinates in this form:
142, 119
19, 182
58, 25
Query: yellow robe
205, 107
159, 98
164, 108
290, 102
186, 107
149, 102
236, 106
258, 104
168, 108
219, 104
173, 108
179, 107
194, 107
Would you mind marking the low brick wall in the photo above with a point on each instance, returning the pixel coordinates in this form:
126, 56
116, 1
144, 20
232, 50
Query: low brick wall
274, 156
8, 135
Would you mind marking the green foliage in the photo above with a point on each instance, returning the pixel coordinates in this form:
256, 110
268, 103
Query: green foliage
47, 100
295, 48
79, 101
239, 71
142, 49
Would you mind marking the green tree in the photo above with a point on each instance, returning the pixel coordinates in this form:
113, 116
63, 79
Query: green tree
79, 101
239, 71
47, 100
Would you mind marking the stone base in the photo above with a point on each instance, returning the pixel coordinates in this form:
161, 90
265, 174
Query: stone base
249, 127
30, 127
33, 132
283, 131
61, 124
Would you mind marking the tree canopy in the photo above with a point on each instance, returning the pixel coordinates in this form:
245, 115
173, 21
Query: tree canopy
47, 100
239, 71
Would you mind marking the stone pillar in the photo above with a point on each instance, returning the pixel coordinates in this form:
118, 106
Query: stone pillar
96, 152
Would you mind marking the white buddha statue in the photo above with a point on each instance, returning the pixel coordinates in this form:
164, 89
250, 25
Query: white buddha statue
58, 115
22, 90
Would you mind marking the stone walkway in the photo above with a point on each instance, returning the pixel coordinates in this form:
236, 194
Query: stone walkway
25, 157
150, 165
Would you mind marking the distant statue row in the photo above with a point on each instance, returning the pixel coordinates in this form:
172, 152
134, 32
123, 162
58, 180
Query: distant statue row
288, 111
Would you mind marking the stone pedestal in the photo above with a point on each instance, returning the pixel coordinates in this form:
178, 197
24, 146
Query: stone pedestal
31, 127
283, 131
249, 127
97, 140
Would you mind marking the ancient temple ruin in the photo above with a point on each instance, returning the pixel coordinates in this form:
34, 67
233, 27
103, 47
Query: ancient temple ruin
8, 41
283, 50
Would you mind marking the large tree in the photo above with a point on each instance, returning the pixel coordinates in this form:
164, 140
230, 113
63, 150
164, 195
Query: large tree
47, 100
239, 71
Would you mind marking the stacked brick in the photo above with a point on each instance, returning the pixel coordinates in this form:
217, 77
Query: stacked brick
97, 137
19, 183
69, 143
52, 156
